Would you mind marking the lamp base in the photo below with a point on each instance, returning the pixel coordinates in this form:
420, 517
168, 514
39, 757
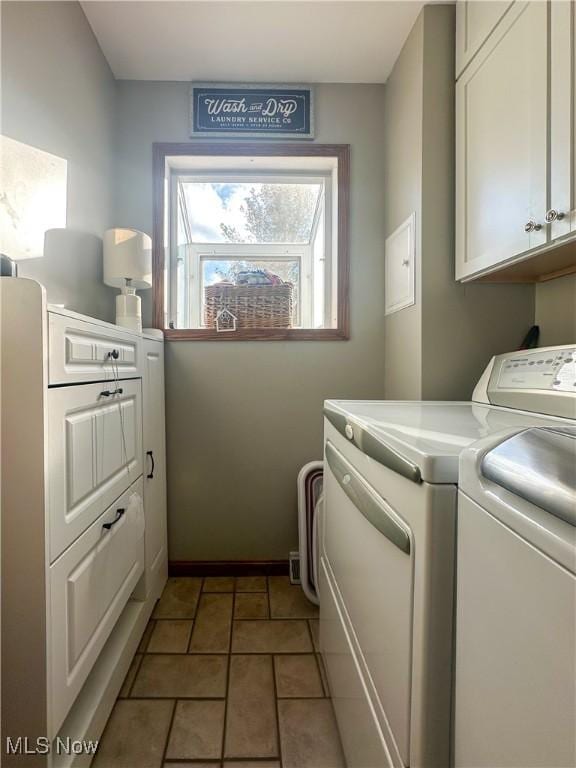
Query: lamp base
129, 310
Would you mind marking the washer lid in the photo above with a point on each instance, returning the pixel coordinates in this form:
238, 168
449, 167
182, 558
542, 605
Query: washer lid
538, 465
427, 437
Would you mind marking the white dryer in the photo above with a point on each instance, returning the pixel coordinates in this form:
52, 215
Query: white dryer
515, 696
387, 542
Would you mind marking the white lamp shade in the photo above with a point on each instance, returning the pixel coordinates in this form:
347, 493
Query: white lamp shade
127, 256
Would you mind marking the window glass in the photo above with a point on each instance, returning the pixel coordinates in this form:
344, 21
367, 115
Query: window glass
249, 212
217, 271
258, 247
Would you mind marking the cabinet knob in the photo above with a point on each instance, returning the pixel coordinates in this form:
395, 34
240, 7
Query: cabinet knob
532, 226
554, 215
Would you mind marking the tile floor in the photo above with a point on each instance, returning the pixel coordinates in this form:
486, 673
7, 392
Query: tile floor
227, 675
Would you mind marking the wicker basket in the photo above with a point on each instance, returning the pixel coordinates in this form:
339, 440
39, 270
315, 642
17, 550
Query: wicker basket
253, 306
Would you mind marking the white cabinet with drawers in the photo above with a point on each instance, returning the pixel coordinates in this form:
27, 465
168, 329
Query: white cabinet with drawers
515, 139
84, 551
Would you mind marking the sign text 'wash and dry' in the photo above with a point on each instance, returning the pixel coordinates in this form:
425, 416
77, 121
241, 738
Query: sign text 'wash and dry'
250, 110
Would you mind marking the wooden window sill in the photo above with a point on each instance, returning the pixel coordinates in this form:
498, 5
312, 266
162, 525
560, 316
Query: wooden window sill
256, 334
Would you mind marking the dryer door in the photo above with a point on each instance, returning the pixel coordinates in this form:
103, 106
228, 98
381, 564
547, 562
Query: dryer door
369, 549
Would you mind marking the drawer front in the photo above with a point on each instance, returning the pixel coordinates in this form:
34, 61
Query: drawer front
82, 351
362, 739
95, 454
89, 586
376, 588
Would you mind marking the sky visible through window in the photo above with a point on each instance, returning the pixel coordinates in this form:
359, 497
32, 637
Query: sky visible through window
249, 212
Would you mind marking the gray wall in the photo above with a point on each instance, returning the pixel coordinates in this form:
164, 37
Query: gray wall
452, 327
556, 311
402, 181
58, 94
243, 417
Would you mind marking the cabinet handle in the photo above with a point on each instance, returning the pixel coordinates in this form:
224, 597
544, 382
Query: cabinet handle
151, 454
532, 226
554, 215
110, 392
115, 354
119, 514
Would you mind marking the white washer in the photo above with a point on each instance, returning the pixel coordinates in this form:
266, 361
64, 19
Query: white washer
515, 696
387, 544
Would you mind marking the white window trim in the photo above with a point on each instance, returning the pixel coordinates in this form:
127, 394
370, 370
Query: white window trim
248, 252
304, 252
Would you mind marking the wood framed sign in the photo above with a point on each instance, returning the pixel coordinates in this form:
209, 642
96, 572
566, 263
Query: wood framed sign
251, 110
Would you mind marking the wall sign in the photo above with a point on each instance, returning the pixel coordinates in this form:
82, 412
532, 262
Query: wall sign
222, 109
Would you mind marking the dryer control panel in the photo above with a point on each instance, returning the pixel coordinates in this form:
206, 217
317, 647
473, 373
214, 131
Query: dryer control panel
535, 380
539, 369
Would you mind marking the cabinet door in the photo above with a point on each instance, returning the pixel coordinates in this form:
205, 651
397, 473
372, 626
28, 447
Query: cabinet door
561, 214
475, 20
90, 583
155, 467
95, 453
502, 143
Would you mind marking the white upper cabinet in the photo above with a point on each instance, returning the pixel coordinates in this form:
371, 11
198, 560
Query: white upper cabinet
561, 213
515, 141
501, 143
474, 22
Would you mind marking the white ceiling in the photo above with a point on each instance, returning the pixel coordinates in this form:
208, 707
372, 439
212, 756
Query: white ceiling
267, 41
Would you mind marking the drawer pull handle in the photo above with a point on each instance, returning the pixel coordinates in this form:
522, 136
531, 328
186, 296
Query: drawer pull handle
151, 454
119, 514
110, 392
115, 354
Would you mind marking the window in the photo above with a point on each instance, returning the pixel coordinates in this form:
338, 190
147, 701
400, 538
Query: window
260, 227
252, 235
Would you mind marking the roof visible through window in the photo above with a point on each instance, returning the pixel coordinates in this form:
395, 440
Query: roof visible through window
251, 211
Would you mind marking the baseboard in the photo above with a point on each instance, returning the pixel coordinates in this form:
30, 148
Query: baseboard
228, 568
